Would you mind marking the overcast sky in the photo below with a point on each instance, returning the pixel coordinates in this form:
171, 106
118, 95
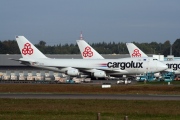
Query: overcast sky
61, 21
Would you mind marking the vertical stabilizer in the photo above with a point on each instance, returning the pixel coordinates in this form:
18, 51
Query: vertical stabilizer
134, 51
86, 50
28, 50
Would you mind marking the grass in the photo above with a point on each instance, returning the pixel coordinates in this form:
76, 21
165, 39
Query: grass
36, 109
70, 109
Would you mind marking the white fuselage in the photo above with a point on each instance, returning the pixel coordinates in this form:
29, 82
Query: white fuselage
134, 51
173, 65
110, 66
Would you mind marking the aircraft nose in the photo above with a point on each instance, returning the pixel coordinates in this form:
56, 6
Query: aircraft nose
161, 66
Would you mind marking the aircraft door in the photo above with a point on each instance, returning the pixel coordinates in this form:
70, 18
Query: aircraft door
148, 66
152, 65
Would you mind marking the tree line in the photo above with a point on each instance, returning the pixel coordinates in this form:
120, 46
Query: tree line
11, 47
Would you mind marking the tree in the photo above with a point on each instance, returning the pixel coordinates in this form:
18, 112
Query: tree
42, 43
176, 48
166, 48
11, 47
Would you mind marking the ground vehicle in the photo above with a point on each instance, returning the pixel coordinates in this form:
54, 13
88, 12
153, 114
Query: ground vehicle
177, 78
168, 76
124, 81
148, 76
168, 79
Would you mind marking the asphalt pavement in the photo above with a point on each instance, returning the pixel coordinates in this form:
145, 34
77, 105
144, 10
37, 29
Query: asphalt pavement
89, 96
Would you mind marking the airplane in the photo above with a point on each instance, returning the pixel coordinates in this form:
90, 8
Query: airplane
99, 68
135, 52
82, 44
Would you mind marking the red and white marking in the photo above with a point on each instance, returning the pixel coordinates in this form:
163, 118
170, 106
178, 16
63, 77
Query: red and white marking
27, 49
136, 53
87, 52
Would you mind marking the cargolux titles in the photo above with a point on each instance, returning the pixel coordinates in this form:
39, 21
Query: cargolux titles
174, 66
123, 65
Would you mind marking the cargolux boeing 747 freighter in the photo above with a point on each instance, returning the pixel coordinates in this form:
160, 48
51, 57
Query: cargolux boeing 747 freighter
98, 68
135, 52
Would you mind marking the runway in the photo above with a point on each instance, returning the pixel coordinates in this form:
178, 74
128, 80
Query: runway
89, 96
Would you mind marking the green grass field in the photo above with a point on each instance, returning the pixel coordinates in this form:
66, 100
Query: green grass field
36, 109
70, 109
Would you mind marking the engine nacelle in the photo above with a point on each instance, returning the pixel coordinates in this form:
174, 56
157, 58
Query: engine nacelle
157, 74
100, 74
73, 72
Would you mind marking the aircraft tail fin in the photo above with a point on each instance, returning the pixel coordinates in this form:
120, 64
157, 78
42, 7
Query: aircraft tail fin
28, 50
134, 51
86, 50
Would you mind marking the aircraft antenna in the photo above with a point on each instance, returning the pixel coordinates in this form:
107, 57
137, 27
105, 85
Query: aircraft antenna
81, 37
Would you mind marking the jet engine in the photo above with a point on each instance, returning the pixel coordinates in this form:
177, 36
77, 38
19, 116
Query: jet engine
157, 74
100, 74
73, 72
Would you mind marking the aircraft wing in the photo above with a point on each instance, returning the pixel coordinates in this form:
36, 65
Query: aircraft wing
91, 70
25, 62
13, 59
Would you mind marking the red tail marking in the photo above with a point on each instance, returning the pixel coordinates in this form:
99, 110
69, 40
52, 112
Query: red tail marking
87, 52
136, 53
27, 49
